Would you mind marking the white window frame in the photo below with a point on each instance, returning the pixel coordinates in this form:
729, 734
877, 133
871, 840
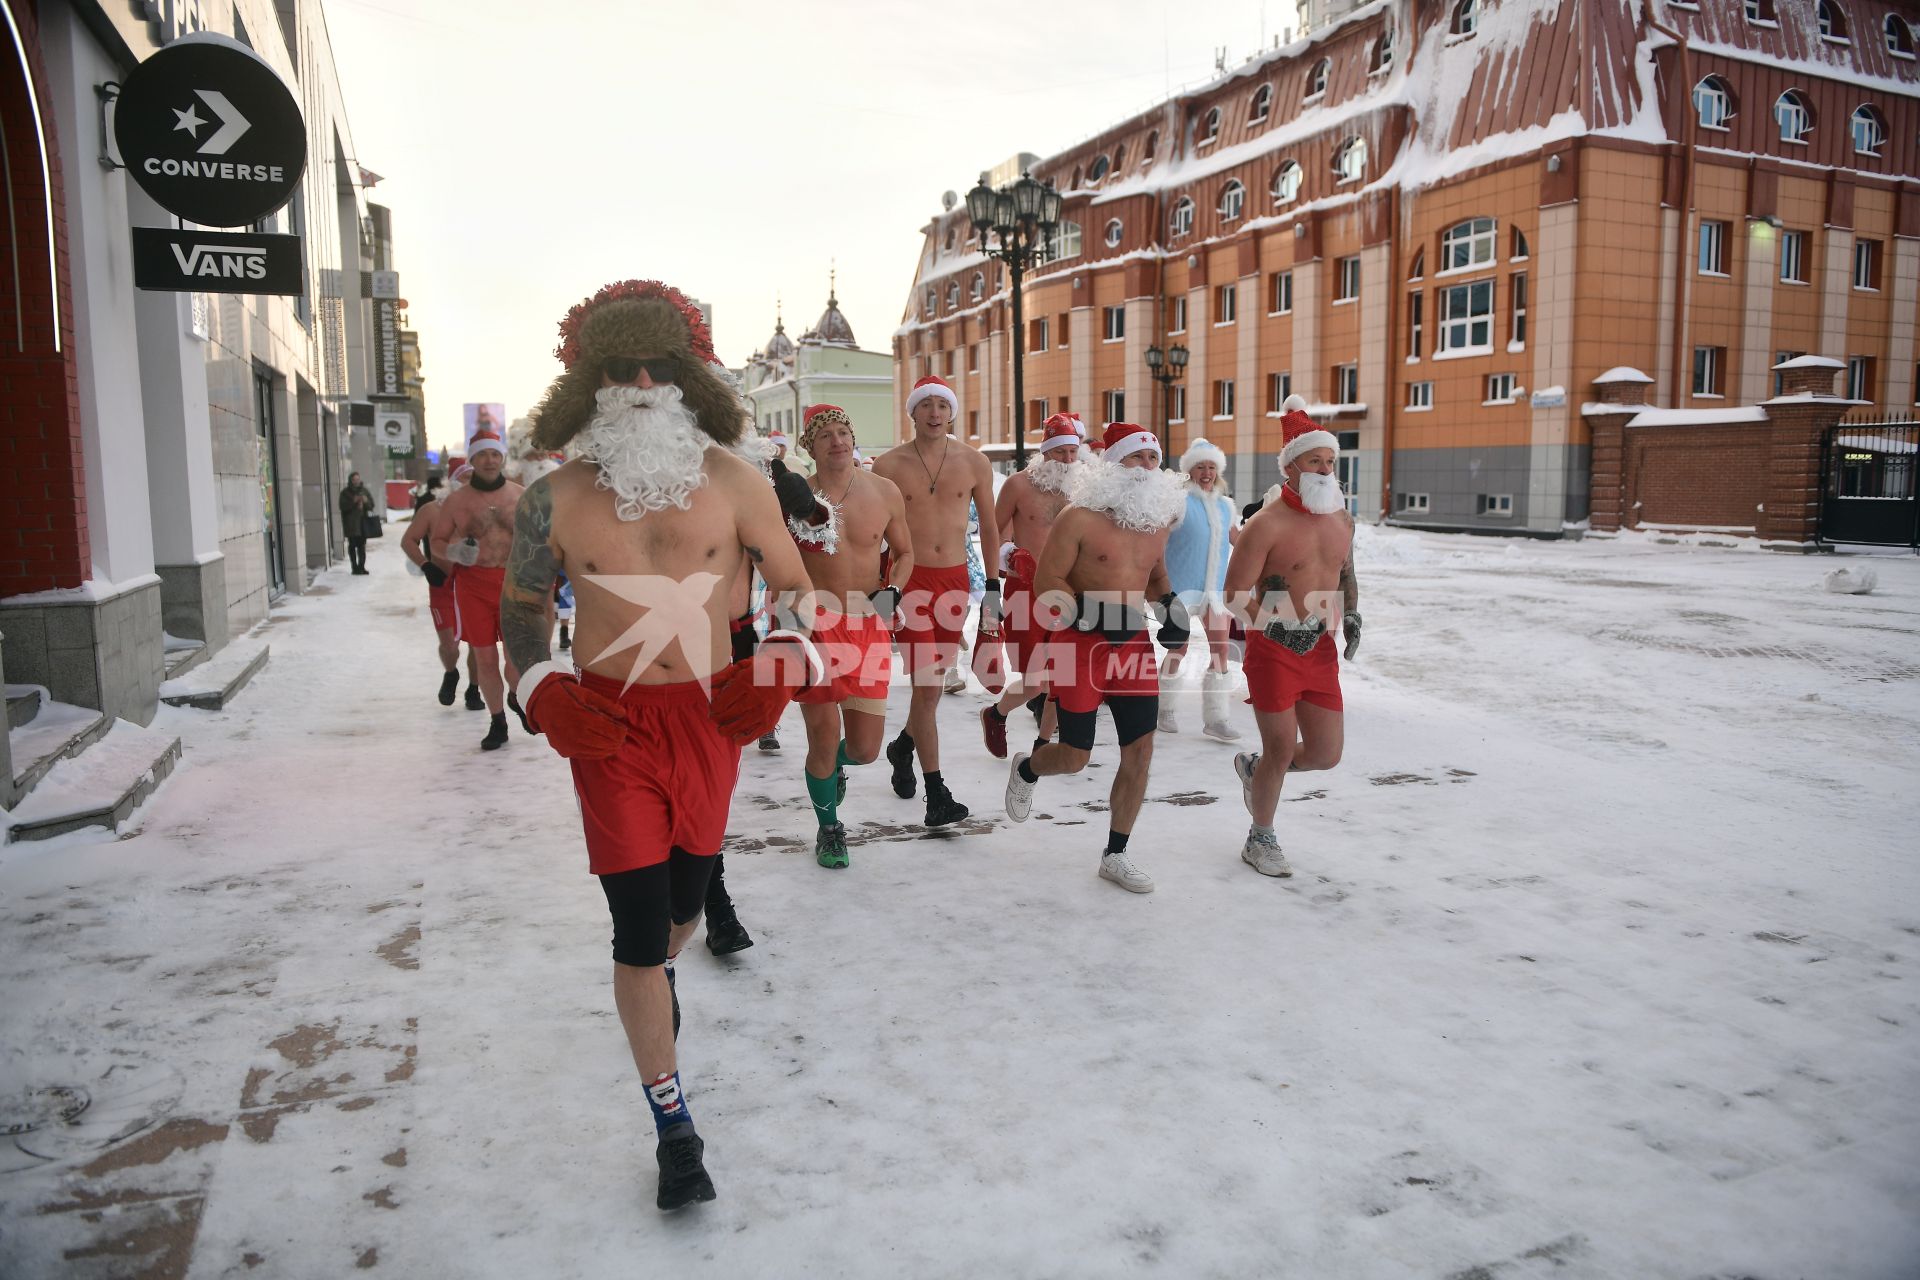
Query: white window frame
1500, 389
1279, 387
1456, 332
1711, 255
1223, 399
1419, 397
978, 285
1102, 165
1417, 502
1517, 289
1177, 402
1280, 294
1478, 237
1824, 22
1043, 333
1210, 128
1866, 260
1345, 163
1875, 130
1177, 323
1793, 104
1416, 325
1900, 46
953, 294
1859, 372
1712, 89
1116, 232
1113, 324
1064, 243
1317, 80
1180, 219
1262, 105
1496, 504
1287, 177
1760, 13
1233, 201
1793, 257
1226, 304
1713, 367
1465, 20
1346, 280
1114, 400
1346, 383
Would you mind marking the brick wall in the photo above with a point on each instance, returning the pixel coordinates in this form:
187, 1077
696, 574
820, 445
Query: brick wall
43, 540
1697, 476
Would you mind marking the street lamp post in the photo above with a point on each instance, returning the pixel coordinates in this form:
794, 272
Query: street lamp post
1166, 367
1020, 218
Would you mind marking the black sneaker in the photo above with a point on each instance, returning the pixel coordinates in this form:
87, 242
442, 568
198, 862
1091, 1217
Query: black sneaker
769, 742
496, 733
900, 756
513, 705
830, 847
566, 641
449, 685
725, 933
942, 809
683, 1178
474, 701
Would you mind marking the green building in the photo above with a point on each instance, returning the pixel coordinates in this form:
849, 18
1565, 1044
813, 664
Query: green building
826, 366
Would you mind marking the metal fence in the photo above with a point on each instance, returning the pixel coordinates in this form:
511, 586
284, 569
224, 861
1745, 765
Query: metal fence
1867, 489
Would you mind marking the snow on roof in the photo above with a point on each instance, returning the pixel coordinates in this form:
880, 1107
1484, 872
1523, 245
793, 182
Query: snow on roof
1806, 397
1810, 362
1876, 443
1621, 373
1698, 417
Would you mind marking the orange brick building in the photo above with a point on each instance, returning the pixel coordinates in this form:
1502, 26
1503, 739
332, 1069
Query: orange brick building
1441, 220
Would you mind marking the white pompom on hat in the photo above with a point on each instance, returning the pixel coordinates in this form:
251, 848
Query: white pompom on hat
1203, 450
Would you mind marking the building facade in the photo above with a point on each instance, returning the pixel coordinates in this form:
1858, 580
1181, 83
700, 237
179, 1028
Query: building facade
176, 455
826, 366
1441, 220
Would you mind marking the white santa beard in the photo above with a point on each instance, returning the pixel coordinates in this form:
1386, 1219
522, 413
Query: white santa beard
1321, 493
1139, 499
1050, 475
648, 450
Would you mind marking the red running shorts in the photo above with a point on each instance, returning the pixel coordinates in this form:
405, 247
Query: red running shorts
858, 655
1277, 677
476, 604
933, 609
1083, 668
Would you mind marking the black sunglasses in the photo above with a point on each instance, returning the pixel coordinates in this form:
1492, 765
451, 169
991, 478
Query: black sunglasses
627, 369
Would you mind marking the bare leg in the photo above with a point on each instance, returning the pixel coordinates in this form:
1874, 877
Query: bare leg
1279, 730
1218, 624
1323, 735
864, 734
645, 1003
1130, 784
822, 720
1058, 758
492, 687
922, 725
449, 651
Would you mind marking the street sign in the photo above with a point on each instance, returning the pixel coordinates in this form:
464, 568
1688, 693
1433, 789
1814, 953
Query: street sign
395, 430
383, 284
215, 261
210, 131
387, 381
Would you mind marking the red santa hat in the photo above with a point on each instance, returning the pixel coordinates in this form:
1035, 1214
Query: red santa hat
1302, 433
485, 438
1062, 429
932, 386
1124, 439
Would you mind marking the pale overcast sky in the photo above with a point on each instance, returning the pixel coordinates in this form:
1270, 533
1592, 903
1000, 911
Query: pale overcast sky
533, 152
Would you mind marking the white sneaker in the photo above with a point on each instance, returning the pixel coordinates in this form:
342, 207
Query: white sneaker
1243, 766
1166, 724
1221, 731
1262, 853
956, 680
1214, 691
1117, 868
1019, 791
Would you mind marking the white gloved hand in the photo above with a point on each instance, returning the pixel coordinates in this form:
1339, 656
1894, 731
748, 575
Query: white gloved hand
467, 552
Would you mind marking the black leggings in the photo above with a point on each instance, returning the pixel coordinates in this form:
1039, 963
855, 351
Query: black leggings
1134, 716
357, 553
648, 901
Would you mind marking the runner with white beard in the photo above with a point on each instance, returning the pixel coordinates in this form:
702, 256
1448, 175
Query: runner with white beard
1029, 502
1298, 552
1107, 551
650, 521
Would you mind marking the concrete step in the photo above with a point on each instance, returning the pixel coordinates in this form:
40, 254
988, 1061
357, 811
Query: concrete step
98, 787
23, 704
58, 731
182, 660
215, 682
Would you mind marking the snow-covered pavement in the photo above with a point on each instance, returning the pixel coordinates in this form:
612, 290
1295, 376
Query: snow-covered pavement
1602, 959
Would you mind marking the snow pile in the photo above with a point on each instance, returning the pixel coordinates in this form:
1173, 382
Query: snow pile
1851, 580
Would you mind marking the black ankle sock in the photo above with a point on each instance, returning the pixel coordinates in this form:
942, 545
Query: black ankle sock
933, 779
1037, 703
1026, 772
1041, 742
1117, 841
997, 713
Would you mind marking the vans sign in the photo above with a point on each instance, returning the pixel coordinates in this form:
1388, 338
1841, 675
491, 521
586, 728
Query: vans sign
215, 261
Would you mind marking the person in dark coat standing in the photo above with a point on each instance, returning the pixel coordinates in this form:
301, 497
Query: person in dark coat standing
356, 508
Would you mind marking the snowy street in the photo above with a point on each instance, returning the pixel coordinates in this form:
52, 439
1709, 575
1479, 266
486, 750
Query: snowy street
1601, 959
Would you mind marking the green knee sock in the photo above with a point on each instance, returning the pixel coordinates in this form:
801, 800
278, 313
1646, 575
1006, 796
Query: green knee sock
822, 792
844, 759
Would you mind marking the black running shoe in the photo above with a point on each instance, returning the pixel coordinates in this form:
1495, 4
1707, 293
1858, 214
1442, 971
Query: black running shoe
900, 756
513, 705
725, 933
496, 733
830, 847
474, 701
449, 686
566, 641
683, 1178
942, 809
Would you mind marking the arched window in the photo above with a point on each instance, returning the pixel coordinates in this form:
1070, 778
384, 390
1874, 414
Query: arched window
1317, 79
979, 286
1233, 198
1210, 127
1794, 115
950, 239
1869, 131
933, 300
1099, 169
1713, 102
1419, 270
1899, 36
1760, 11
953, 295
1114, 233
1467, 244
1350, 159
1832, 20
1180, 221
1383, 48
1286, 182
1153, 144
1262, 105
1120, 158
1466, 17
1074, 185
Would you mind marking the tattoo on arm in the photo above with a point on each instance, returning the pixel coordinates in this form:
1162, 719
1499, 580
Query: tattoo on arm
754, 554
531, 570
1349, 586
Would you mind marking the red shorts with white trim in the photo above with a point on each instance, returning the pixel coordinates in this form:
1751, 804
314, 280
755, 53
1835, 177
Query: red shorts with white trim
933, 610
669, 786
1083, 668
476, 604
858, 655
1277, 677
440, 603
1023, 634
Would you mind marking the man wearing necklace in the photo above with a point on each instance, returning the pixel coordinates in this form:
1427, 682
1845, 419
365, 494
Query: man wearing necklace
854, 604
1299, 552
937, 476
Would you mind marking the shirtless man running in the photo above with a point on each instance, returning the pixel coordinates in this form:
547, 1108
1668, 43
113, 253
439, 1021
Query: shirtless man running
650, 521
846, 714
474, 529
413, 543
937, 476
1029, 502
1298, 554
1107, 553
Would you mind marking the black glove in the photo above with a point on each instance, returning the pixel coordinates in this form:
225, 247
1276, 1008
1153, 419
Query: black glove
1251, 510
886, 604
1350, 627
797, 499
1111, 617
434, 574
990, 607
1176, 624
1297, 637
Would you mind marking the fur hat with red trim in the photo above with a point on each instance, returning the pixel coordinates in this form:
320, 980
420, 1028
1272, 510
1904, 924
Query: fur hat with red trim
1203, 450
928, 387
1124, 439
1060, 430
639, 319
1302, 433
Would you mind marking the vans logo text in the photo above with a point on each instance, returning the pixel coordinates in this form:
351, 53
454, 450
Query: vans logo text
219, 261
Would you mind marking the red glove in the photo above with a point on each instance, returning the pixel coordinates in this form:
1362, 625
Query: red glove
1022, 565
579, 723
990, 663
749, 695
